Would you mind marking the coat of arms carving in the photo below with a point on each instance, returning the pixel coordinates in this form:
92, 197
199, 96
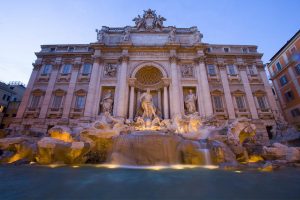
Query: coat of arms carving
149, 21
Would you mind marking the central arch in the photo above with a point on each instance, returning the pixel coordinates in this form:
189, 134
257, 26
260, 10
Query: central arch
149, 75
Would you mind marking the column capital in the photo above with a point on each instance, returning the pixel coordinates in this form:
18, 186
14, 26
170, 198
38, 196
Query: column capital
200, 59
132, 82
37, 66
124, 58
241, 65
97, 59
221, 65
173, 59
166, 81
77, 65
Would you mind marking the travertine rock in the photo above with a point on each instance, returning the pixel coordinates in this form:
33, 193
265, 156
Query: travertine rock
61, 133
51, 150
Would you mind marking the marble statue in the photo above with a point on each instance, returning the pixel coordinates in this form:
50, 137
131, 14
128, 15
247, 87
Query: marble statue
190, 102
107, 102
147, 105
126, 36
138, 21
159, 21
100, 35
172, 33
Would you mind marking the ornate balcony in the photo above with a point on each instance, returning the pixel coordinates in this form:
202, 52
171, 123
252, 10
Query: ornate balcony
265, 113
76, 113
64, 77
55, 112
84, 77
32, 112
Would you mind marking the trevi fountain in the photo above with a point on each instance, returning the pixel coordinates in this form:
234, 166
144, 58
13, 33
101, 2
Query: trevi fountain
149, 155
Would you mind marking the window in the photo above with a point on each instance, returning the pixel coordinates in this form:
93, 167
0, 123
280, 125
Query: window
15, 98
4, 97
240, 103
208, 50
52, 49
14, 115
226, 49
211, 70
46, 70
8, 98
71, 49
251, 70
35, 101
295, 112
245, 50
293, 50
218, 103
66, 69
231, 70
283, 80
57, 102
278, 65
86, 69
289, 96
297, 67
262, 103
79, 103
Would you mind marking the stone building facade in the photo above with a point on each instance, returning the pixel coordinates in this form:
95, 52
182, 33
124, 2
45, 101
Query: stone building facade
284, 68
70, 83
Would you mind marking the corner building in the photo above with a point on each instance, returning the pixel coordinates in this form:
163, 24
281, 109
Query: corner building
68, 82
284, 68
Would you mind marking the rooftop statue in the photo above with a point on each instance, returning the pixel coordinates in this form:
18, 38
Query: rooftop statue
149, 21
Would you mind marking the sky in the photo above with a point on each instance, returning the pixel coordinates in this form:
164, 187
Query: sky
25, 25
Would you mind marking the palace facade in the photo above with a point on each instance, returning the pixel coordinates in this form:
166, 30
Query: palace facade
70, 83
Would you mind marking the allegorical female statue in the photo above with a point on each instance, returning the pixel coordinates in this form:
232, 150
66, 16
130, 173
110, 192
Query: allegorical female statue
147, 105
190, 102
107, 102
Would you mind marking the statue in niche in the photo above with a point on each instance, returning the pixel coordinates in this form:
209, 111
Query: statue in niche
190, 102
107, 102
172, 33
187, 71
126, 36
110, 70
147, 105
100, 35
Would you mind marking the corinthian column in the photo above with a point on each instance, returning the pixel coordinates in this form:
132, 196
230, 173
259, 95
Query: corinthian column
175, 87
249, 94
92, 90
166, 97
228, 99
122, 87
131, 103
28, 90
70, 92
49, 91
204, 85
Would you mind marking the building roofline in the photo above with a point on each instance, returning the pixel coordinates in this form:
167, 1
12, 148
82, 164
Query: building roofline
285, 45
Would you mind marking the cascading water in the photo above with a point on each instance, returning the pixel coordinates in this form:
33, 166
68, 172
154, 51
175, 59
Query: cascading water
145, 148
158, 148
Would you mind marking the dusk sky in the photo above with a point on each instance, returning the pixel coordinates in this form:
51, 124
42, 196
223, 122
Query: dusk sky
25, 25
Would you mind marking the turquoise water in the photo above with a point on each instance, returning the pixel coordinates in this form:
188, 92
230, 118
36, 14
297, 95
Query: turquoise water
88, 182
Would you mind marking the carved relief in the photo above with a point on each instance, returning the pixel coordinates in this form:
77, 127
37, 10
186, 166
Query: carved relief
110, 70
187, 71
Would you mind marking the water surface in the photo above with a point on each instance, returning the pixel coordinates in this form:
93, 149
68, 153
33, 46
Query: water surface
88, 182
